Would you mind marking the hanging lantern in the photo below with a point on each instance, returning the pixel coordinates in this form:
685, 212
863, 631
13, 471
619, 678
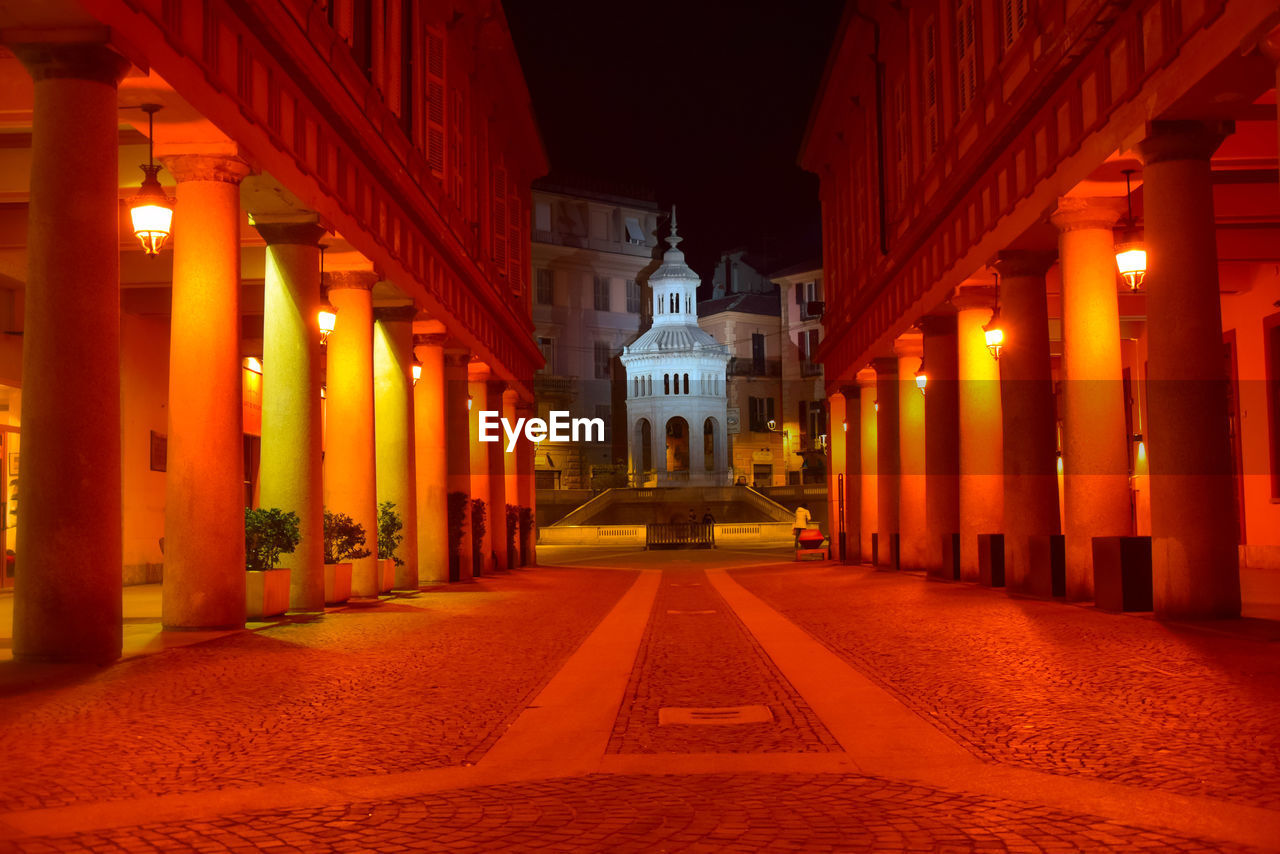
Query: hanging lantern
922, 377
328, 319
417, 371
1131, 254
994, 334
151, 210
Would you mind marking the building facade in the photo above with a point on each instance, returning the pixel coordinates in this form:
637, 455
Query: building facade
981, 165
592, 253
371, 158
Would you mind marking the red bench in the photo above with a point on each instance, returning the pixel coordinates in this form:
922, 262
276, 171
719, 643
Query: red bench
811, 543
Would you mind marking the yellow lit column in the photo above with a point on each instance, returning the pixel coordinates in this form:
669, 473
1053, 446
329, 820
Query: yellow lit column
942, 438
496, 476
1194, 559
69, 550
289, 475
981, 482
888, 463
869, 490
430, 457
836, 477
911, 449
479, 456
850, 429
1095, 455
458, 454
204, 579
349, 460
527, 486
1029, 425
393, 430
510, 479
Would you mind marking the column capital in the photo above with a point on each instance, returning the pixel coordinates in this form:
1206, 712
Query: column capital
496, 386
226, 168
293, 229
851, 391
393, 313
906, 346
1024, 263
974, 296
425, 340
1269, 46
938, 323
355, 280
1077, 213
866, 378
1182, 140
885, 366
85, 59
454, 358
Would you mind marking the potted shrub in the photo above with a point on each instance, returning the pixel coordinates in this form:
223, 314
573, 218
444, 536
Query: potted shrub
513, 527
268, 534
343, 543
477, 536
390, 525
457, 526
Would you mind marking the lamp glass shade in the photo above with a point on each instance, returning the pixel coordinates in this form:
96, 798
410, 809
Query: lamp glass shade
417, 372
1131, 260
995, 340
151, 212
328, 319
922, 380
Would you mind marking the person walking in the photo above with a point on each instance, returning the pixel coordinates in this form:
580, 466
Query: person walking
802, 522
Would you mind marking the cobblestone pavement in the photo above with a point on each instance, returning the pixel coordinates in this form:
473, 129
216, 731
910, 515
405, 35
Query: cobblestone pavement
695, 813
696, 653
409, 684
1043, 685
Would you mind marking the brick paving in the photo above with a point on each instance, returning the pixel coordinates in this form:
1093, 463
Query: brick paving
410, 684
634, 813
1053, 687
691, 658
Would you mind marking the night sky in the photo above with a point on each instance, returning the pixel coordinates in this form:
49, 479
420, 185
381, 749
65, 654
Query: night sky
702, 103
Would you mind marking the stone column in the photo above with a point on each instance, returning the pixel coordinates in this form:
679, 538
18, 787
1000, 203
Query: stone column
430, 457
911, 495
850, 429
981, 465
1095, 455
496, 475
510, 469
836, 478
1028, 419
458, 453
1195, 563
290, 474
67, 596
393, 431
479, 463
942, 438
526, 485
1270, 47
869, 477
204, 578
349, 459
888, 463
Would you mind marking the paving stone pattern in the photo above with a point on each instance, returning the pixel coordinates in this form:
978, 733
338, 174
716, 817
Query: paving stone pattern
705, 813
409, 684
691, 658
1055, 687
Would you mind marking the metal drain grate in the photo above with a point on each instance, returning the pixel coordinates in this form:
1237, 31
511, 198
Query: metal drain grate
721, 715
690, 612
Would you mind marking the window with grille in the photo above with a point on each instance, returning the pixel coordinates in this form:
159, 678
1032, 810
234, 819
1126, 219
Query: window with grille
901, 139
543, 290
633, 296
1014, 18
966, 56
604, 355
457, 147
757, 353
929, 51
602, 293
605, 413
435, 130
547, 347
499, 222
515, 245
759, 413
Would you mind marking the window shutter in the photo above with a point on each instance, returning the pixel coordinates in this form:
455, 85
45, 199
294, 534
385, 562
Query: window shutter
500, 218
515, 245
435, 102
457, 167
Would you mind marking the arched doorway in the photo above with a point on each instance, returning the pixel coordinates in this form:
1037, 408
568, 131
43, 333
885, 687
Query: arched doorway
677, 445
709, 444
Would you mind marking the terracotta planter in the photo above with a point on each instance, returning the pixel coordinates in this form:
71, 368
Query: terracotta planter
386, 575
266, 594
337, 583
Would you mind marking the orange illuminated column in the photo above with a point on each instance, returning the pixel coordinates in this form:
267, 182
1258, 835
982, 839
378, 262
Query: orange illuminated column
497, 479
981, 482
458, 450
479, 457
510, 479
1195, 564
1270, 47
430, 458
69, 552
1095, 456
942, 438
527, 486
836, 478
887, 462
204, 578
911, 497
1029, 422
868, 479
393, 430
850, 430
289, 475
349, 460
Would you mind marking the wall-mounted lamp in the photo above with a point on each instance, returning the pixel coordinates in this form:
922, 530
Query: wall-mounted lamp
844, 425
468, 403
922, 377
1131, 254
328, 319
417, 370
994, 333
875, 404
151, 210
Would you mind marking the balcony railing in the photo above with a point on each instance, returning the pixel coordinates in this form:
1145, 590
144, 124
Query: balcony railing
810, 369
549, 385
739, 367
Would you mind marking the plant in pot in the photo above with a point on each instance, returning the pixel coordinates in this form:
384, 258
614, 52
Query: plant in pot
457, 527
526, 536
343, 542
390, 526
477, 536
268, 534
513, 528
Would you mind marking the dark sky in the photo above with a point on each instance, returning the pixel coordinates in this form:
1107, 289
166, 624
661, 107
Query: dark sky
704, 102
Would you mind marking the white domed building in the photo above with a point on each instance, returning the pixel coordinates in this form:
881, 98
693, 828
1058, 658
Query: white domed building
676, 397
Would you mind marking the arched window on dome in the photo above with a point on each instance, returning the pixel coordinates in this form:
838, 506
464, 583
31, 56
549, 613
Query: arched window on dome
666, 383
688, 305
686, 383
